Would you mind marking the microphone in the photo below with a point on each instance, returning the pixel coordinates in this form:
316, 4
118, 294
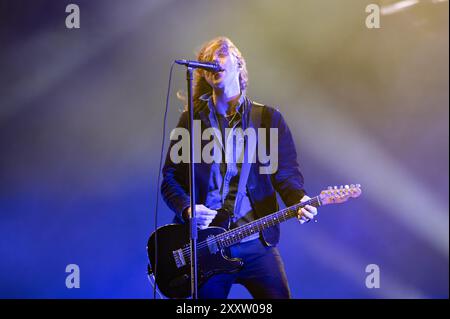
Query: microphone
208, 66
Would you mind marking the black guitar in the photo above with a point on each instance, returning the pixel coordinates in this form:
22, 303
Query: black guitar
172, 271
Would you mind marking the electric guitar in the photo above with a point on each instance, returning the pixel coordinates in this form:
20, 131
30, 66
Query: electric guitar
172, 267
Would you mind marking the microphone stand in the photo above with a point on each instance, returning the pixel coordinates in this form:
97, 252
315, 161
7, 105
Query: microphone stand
192, 218
192, 221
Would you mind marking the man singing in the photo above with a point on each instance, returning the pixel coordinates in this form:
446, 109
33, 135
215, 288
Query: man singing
247, 193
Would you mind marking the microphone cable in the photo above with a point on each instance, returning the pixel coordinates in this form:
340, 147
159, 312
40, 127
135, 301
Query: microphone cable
159, 176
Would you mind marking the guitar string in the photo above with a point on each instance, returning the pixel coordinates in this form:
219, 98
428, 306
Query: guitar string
203, 244
315, 200
240, 230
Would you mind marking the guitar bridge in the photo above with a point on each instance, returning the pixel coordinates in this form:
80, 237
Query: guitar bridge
179, 258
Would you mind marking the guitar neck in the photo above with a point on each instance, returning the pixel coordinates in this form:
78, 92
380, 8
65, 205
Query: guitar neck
234, 236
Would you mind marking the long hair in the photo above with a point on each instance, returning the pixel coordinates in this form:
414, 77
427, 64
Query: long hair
200, 85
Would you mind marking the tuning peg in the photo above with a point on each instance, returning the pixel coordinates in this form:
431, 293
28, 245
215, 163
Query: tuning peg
346, 187
329, 188
352, 186
335, 187
358, 185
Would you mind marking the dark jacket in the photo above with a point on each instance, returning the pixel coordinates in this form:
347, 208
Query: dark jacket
261, 188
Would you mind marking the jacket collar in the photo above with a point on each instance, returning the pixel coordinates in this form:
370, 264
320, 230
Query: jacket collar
208, 107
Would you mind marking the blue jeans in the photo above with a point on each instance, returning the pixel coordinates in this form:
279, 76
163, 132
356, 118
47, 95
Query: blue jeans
263, 274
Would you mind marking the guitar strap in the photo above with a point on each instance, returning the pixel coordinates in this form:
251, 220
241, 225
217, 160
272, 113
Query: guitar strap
250, 150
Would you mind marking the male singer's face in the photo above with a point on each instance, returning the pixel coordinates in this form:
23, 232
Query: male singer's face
230, 66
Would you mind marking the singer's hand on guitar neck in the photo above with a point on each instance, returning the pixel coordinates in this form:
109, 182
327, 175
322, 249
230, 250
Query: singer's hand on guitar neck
306, 213
204, 215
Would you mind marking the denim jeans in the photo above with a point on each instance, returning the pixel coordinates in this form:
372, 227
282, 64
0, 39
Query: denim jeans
263, 274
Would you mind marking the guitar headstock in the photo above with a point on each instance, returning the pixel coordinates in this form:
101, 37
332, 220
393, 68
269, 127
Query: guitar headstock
337, 195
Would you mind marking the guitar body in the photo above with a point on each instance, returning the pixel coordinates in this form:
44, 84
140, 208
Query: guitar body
173, 271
